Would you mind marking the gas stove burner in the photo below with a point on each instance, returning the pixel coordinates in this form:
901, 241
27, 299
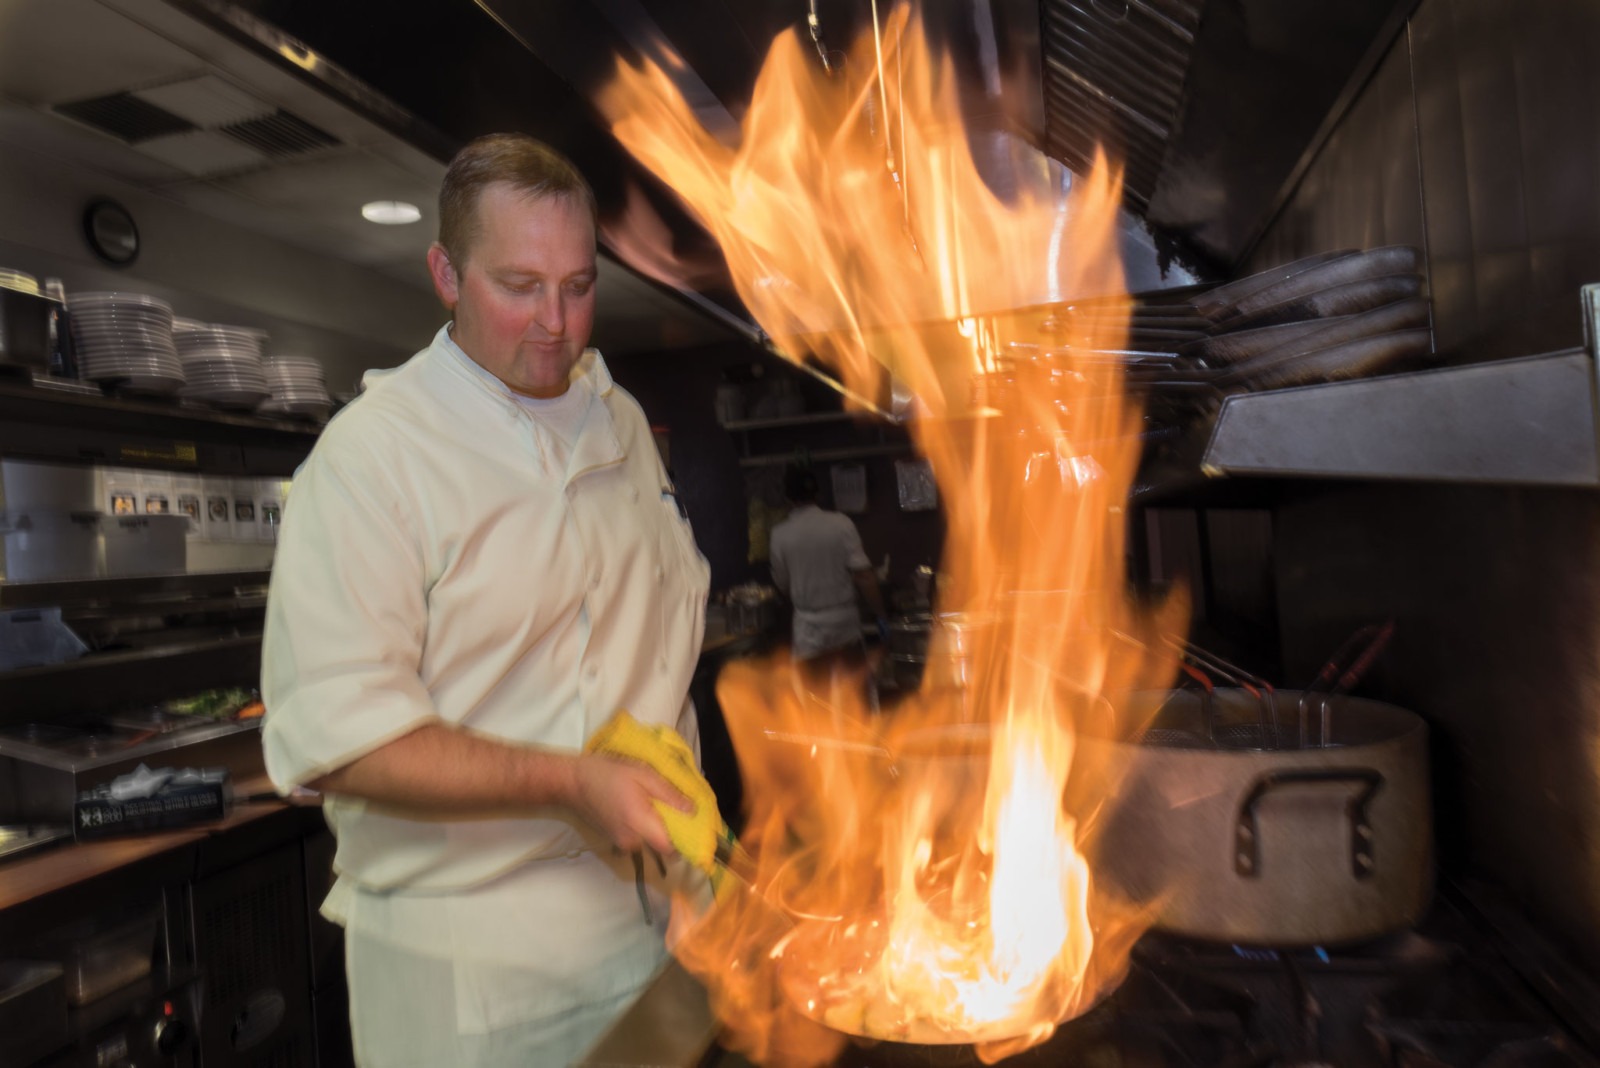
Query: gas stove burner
1417, 999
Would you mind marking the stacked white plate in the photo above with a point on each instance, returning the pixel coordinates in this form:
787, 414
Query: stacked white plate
298, 387
222, 364
125, 339
19, 280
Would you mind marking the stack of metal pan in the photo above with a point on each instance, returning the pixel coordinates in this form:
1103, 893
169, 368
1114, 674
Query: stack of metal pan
1343, 314
1142, 336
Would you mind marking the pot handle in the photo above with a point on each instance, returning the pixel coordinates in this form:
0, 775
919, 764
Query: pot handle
1247, 833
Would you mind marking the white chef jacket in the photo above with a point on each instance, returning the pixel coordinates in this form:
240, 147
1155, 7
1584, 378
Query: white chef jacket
441, 559
813, 554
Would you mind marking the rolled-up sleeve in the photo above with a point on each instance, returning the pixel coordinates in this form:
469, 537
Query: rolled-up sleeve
346, 620
855, 555
780, 565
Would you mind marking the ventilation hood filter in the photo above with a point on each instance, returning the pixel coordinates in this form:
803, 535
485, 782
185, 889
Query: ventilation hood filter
280, 134
1114, 73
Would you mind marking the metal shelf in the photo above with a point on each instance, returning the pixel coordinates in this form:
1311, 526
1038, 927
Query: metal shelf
808, 419
861, 452
879, 427
179, 588
1528, 421
100, 682
45, 424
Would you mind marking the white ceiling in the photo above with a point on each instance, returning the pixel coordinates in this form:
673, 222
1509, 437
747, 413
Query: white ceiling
58, 51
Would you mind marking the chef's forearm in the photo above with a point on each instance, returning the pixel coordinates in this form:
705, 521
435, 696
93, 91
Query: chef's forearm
442, 771
867, 583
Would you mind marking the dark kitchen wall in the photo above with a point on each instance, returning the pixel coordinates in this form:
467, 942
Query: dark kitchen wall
1478, 138
678, 391
349, 317
1495, 593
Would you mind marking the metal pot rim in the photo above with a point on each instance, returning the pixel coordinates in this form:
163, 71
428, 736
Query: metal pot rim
1380, 722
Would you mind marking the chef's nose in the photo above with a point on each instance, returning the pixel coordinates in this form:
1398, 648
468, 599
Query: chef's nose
551, 313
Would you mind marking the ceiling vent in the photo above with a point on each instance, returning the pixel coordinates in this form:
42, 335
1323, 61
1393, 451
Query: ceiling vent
280, 134
125, 117
1114, 73
203, 126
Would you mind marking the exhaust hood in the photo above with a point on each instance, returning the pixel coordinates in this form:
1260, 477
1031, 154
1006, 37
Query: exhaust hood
1213, 102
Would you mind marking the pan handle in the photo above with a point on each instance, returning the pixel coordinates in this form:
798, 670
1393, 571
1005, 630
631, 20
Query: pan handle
1247, 832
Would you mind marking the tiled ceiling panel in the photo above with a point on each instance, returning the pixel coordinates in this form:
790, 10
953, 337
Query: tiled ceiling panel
207, 101
203, 152
57, 50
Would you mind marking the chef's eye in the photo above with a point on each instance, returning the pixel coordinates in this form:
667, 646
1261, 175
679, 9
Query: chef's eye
579, 289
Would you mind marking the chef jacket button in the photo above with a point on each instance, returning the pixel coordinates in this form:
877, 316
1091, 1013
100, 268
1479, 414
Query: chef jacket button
633, 493
661, 573
594, 580
663, 663
574, 854
593, 670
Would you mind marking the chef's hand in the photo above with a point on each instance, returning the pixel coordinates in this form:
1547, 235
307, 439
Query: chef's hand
616, 796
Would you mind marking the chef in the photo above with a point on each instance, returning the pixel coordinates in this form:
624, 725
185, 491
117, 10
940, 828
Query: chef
819, 564
481, 561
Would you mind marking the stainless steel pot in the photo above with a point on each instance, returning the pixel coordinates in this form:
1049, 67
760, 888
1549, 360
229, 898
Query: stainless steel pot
1299, 845
25, 328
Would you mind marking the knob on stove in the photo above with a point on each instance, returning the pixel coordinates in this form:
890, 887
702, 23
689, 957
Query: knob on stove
169, 1036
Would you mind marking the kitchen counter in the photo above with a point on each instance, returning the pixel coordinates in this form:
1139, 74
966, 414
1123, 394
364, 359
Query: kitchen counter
58, 880
61, 877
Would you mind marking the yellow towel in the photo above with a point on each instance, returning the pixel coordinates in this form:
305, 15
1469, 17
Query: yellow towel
694, 834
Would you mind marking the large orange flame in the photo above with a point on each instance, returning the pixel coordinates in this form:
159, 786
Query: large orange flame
926, 874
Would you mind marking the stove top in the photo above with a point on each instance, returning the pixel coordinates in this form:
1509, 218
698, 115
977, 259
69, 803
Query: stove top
1435, 997
115, 739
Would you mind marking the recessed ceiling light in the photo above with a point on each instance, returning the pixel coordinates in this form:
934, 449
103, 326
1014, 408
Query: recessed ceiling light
390, 212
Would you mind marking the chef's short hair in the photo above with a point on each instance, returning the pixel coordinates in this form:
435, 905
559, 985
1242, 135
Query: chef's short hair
800, 484
529, 166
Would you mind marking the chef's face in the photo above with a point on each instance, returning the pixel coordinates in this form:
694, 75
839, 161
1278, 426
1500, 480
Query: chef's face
524, 297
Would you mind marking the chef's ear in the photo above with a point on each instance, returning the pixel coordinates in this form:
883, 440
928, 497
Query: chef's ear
446, 282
